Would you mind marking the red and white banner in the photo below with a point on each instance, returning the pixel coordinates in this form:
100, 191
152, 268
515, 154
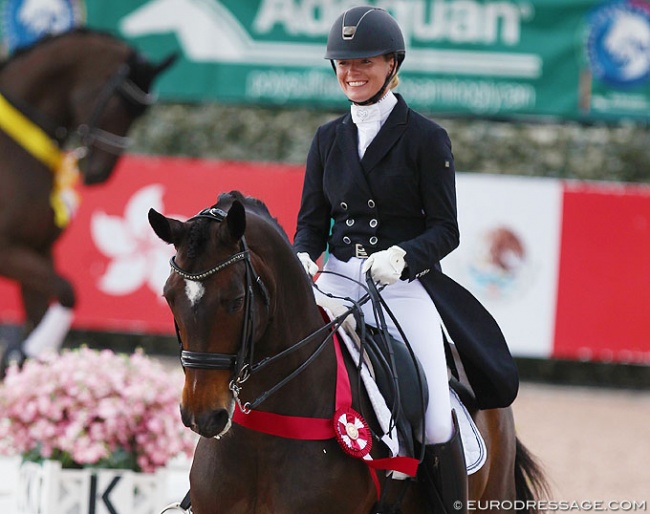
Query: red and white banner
564, 267
604, 299
110, 253
508, 256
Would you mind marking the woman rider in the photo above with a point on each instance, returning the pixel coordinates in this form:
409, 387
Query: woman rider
385, 175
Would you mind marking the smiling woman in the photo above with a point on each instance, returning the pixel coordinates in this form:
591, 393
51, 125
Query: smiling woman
385, 175
360, 79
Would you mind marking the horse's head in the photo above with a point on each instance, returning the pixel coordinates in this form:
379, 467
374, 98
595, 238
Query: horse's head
221, 305
114, 91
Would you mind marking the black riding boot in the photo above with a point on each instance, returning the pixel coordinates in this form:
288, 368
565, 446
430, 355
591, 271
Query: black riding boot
444, 475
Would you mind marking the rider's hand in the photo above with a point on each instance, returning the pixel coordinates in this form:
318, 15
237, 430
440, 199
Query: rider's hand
337, 307
386, 266
311, 268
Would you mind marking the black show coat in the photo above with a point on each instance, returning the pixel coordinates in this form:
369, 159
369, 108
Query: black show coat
402, 193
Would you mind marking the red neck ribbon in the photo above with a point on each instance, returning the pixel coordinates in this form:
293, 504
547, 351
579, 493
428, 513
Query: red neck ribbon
316, 429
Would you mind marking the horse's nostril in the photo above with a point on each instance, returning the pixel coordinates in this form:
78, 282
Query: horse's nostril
212, 423
208, 424
187, 419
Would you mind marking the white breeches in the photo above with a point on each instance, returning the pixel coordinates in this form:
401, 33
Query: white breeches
419, 319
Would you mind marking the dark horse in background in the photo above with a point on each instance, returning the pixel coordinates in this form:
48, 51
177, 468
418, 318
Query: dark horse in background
252, 335
84, 88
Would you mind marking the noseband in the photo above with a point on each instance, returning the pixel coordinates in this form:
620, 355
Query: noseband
240, 362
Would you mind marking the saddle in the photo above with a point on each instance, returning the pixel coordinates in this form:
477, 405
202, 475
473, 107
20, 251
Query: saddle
400, 379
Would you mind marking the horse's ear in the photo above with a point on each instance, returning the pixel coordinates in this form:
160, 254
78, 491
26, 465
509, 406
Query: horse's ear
167, 229
236, 220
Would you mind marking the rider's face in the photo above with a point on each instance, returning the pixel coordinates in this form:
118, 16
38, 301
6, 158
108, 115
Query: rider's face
360, 79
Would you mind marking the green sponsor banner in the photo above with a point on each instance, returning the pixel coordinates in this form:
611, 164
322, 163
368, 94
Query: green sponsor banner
582, 60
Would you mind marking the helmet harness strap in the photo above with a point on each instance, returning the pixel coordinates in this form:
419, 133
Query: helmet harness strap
379, 94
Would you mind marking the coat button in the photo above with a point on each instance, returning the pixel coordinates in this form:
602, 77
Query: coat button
347, 240
349, 222
373, 240
371, 203
373, 223
344, 206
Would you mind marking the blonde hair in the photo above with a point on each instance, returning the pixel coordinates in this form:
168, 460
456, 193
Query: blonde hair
394, 82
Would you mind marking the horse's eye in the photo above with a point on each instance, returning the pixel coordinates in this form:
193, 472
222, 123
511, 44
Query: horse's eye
235, 305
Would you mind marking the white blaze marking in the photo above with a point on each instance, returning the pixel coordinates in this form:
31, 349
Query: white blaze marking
194, 291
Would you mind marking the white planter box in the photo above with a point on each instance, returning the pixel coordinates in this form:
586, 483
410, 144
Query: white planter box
48, 489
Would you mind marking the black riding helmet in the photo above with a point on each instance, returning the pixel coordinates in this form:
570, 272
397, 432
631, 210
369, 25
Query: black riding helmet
366, 32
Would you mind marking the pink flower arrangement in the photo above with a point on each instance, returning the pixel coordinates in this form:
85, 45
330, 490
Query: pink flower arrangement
88, 408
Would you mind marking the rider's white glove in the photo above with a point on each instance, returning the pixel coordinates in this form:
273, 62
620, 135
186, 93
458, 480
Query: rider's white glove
336, 307
386, 266
311, 268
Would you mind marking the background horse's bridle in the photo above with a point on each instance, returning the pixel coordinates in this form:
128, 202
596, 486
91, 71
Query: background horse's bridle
137, 100
89, 133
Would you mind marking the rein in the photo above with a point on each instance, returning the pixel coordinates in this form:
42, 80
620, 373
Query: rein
243, 366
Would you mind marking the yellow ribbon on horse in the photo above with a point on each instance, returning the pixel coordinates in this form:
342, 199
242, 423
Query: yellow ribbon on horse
64, 198
29, 135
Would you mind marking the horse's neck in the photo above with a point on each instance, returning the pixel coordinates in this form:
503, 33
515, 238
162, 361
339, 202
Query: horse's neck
295, 313
36, 80
296, 319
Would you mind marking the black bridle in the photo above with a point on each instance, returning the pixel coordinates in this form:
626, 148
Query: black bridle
239, 363
242, 363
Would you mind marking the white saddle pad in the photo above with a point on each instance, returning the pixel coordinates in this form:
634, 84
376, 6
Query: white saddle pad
473, 443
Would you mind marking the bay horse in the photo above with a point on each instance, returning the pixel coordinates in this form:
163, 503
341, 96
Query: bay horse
81, 87
252, 336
